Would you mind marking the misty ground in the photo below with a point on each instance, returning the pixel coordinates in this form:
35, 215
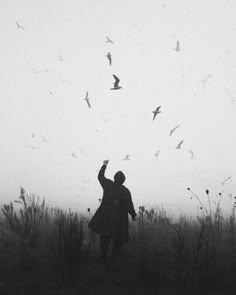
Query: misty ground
95, 277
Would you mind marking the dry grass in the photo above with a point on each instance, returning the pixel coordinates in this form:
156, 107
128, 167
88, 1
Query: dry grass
163, 251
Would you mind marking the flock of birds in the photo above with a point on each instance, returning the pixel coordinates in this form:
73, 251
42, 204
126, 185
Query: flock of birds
157, 111
116, 86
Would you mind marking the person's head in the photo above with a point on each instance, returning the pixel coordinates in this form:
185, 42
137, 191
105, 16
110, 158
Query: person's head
119, 178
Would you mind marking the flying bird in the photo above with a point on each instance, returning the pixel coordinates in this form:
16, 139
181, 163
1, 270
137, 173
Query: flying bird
179, 145
157, 111
192, 154
44, 139
157, 154
33, 135
61, 58
87, 100
109, 40
126, 158
177, 46
42, 70
19, 26
116, 83
228, 178
205, 80
33, 147
109, 57
73, 155
173, 130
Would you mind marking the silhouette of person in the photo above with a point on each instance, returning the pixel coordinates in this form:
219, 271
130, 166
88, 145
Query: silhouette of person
110, 220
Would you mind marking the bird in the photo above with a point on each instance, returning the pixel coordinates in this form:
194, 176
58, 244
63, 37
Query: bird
19, 26
33, 147
44, 139
204, 81
173, 130
33, 135
126, 158
179, 145
73, 155
109, 40
61, 58
228, 178
177, 46
157, 154
232, 98
192, 154
87, 100
116, 83
109, 57
88, 209
157, 111
42, 70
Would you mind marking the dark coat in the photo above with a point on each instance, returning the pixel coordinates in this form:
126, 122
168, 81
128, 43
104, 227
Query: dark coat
111, 218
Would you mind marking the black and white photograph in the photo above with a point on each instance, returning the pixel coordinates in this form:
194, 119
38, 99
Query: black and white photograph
118, 147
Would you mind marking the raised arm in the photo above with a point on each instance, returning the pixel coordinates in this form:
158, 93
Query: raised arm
101, 175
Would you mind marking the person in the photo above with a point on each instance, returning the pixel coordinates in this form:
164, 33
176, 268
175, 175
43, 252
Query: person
110, 220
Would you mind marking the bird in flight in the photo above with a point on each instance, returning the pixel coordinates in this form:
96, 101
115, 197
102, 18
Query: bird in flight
87, 100
109, 57
205, 80
61, 58
126, 158
177, 46
109, 40
73, 155
42, 70
192, 154
19, 26
179, 145
44, 139
33, 147
157, 111
116, 83
173, 130
157, 154
228, 178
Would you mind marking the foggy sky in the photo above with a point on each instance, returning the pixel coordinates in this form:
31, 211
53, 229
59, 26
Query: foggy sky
47, 67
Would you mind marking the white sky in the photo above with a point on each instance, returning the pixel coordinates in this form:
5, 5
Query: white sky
51, 103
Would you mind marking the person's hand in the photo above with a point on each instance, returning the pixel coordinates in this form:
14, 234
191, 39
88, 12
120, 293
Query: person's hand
105, 162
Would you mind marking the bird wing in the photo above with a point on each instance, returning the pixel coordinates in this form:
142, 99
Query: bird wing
172, 130
86, 95
89, 105
117, 80
158, 108
109, 40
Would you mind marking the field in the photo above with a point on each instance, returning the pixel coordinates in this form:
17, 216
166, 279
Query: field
46, 250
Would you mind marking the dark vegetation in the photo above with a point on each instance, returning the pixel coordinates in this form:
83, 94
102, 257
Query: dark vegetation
46, 250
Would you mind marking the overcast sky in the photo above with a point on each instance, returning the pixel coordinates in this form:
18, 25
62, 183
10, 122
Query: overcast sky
53, 144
